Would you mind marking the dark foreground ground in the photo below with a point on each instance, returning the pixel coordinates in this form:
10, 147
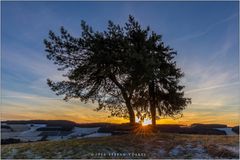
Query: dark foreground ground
130, 146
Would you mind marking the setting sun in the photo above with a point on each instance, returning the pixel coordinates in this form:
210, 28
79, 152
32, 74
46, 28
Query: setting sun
146, 122
143, 122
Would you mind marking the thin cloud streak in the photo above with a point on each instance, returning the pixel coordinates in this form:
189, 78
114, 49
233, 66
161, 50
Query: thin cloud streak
215, 105
31, 97
212, 87
209, 28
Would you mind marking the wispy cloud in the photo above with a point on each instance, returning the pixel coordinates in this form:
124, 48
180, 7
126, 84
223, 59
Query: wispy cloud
36, 107
217, 68
206, 30
237, 84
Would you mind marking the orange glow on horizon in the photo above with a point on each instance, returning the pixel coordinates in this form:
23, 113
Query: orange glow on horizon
79, 119
87, 115
54, 109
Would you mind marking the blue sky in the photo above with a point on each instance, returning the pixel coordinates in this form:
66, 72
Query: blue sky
205, 35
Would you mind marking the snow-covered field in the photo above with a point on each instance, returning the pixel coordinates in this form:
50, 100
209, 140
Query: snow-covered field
228, 131
24, 132
29, 132
6, 135
98, 135
79, 132
19, 127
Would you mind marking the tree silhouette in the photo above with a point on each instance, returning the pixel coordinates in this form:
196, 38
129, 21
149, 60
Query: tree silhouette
159, 89
155, 74
123, 69
96, 67
165, 94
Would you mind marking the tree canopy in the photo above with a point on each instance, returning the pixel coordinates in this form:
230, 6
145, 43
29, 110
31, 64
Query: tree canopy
125, 69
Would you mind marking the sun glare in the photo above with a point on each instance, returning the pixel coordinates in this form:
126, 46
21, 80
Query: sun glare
146, 122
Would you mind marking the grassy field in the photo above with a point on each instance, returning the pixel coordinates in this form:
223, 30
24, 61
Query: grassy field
161, 145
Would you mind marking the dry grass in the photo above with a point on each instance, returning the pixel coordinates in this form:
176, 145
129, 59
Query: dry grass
149, 144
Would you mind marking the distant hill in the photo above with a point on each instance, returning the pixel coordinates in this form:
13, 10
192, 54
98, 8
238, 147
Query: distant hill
48, 122
208, 126
56, 123
67, 122
115, 129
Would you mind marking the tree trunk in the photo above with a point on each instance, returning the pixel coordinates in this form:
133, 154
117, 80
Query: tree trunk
152, 102
126, 98
153, 114
130, 112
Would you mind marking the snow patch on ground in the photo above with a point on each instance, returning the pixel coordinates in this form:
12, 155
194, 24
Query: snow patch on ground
178, 150
189, 151
79, 132
98, 135
228, 131
12, 154
161, 152
234, 149
56, 138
